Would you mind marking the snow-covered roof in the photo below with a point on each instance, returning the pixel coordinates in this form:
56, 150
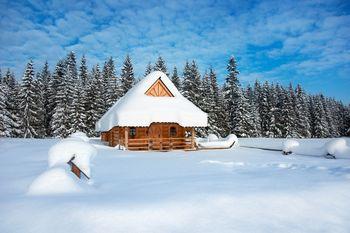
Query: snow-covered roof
137, 109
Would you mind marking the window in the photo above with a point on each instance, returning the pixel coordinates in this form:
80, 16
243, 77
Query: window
132, 132
173, 131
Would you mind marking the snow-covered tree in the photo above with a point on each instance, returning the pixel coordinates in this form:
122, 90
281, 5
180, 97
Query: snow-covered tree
176, 79
191, 84
149, 69
161, 66
111, 91
27, 105
127, 76
4, 121
236, 103
319, 120
95, 100
83, 72
302, 122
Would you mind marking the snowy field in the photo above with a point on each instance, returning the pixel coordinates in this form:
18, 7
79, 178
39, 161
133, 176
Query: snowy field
235, 190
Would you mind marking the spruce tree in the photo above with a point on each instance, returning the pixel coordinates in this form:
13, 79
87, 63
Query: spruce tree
127, 76
236, 103
148, 69
27, 105
4, 121
13, 104
302, 116
43, 85
161, 66
319, 124
176, 79
94, 101
83, 72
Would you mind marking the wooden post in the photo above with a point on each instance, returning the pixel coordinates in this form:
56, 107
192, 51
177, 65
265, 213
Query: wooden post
192, 137
126, 137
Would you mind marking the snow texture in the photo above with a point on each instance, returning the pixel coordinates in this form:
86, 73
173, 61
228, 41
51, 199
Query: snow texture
80, 135
227, 191
211, 142
135, 108
338, 147
289, 145
63, 151
54, 181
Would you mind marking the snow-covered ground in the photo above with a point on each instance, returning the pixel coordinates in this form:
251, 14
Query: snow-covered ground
235, 190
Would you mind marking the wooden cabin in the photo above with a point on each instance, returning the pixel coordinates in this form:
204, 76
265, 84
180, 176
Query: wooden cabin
153, 115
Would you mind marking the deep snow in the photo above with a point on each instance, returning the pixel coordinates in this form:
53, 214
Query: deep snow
236, 190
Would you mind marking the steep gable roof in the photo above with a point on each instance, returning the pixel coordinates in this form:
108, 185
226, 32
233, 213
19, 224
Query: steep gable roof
136, 108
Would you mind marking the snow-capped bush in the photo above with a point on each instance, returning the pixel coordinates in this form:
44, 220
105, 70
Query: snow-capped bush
212, 137
338, 148
80, 135
64, 150
54, 181
289, 145
229, 141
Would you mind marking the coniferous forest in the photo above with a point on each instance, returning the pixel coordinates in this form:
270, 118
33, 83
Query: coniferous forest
70, 97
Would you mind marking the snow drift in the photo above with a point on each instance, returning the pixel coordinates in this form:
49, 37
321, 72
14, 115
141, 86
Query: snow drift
335, 147
80, 135
54, 181
212, 142
63, 151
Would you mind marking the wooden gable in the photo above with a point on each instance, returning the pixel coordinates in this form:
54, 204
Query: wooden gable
158, 89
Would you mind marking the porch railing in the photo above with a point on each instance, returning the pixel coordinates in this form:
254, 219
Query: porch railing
160, 143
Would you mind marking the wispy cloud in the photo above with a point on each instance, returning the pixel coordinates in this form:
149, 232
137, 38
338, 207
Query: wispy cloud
297, 41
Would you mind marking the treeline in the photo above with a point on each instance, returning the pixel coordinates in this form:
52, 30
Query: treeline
71, 98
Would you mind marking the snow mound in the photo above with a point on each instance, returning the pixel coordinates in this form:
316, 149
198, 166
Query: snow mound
224, 143
289, 145
80, 135
63, 151
338, 148
54, 181
212, 137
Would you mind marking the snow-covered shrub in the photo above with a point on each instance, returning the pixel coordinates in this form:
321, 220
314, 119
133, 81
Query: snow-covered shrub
54, 181
63, 151
338, 148
229, 141
289, 145
80, 135
212, 137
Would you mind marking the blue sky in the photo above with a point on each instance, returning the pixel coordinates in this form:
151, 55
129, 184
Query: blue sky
305, 42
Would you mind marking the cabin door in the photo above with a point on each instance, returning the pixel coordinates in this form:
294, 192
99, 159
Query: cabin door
155, 131
155, 136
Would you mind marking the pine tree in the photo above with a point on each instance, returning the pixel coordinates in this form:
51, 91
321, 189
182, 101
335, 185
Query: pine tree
111, 89
43, 89
254, 129
302, 116
176, 79
4, 121
191, 83
39, 96
319, 123
148, 69
12, 104
54, 85
161, 66
236, 103
27, 105
94, 101
127, 76
83, 72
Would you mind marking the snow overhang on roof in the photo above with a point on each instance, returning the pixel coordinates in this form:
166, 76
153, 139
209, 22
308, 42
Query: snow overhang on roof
136, 109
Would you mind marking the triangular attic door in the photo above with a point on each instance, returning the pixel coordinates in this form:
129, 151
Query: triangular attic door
158, 89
